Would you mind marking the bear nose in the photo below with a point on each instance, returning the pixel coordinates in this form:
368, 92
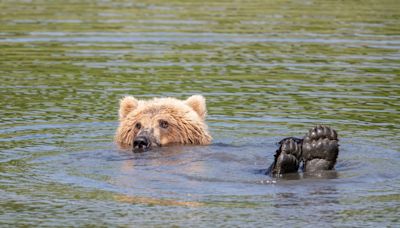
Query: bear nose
140, 142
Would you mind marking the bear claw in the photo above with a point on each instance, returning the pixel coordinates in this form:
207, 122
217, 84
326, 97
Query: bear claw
287, 157
321, 131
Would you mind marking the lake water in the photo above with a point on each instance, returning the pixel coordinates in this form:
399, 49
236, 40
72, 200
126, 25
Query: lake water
268, 69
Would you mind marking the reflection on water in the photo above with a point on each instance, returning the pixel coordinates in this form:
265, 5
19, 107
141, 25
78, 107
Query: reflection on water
268, 70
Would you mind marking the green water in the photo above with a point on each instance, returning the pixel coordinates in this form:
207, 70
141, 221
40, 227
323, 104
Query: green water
268, 69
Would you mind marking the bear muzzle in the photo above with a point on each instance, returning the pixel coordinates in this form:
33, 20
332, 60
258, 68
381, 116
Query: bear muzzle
144, 141
141, 143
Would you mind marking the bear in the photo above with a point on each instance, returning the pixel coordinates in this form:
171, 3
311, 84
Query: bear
158, 122
162, 121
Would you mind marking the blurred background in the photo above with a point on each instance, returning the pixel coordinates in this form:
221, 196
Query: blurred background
268, 69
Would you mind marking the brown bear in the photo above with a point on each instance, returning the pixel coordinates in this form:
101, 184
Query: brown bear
162, 121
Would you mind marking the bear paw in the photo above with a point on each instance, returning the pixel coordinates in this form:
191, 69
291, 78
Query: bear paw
287, 157
320, 149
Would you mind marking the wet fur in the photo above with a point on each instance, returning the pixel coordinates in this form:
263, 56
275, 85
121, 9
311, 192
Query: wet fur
318, 151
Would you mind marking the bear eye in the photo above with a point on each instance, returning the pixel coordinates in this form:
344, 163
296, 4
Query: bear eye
138, 125
163, 124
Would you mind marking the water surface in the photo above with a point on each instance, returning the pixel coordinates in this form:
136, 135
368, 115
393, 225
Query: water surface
268, 70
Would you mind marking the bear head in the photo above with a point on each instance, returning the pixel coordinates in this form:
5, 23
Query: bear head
162, 121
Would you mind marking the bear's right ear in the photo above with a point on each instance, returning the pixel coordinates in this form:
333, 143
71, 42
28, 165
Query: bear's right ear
198, 104
127, 105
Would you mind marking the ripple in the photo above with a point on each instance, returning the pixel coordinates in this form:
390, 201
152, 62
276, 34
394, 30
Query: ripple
192, 38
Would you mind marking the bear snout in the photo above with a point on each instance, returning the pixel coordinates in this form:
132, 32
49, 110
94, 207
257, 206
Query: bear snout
141, 143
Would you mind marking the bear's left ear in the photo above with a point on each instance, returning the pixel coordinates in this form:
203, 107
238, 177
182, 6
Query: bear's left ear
127, 105
198, 104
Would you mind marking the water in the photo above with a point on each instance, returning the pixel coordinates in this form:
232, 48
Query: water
268, 70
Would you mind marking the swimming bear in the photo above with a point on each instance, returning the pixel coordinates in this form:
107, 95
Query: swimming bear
166, 121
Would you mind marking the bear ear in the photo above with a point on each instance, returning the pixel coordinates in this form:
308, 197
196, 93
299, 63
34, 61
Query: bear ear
127, 105
198, 104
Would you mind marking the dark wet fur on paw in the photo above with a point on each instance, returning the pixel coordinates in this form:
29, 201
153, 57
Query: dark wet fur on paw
287, 157
320, 149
